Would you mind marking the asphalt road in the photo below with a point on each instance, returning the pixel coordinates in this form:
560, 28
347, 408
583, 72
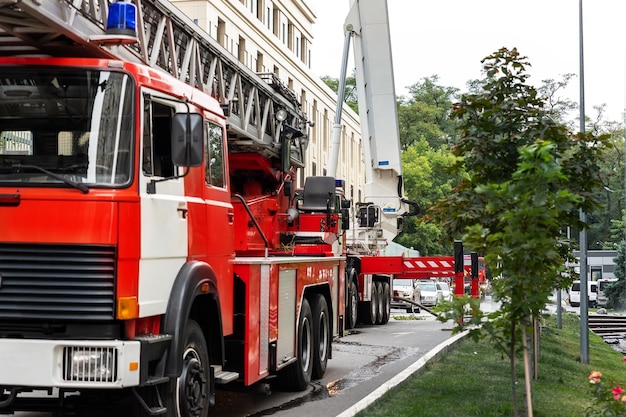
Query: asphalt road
362, 361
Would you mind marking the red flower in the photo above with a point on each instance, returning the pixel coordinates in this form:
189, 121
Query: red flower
617, 392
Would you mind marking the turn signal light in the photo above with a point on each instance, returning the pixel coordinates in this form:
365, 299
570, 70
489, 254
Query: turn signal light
127, 308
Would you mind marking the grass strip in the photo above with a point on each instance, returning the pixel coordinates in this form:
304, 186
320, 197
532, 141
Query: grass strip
474, 379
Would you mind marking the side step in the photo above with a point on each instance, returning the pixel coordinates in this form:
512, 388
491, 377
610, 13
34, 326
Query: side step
224, 377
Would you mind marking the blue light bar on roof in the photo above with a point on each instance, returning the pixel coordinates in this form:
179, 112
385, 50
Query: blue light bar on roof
122, 19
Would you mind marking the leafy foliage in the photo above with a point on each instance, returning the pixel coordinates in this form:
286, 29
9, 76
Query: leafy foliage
527, 178
425, 114
426, 180
350, 93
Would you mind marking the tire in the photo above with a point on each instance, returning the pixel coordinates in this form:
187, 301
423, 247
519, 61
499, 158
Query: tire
379, 302
297, 376
370, 308
352, 306
386, 302
188, 395
321, 336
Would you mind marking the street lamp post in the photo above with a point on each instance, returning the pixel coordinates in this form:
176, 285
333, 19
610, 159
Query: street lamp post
584, 297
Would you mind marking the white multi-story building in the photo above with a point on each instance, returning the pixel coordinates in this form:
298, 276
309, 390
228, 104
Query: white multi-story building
275, 36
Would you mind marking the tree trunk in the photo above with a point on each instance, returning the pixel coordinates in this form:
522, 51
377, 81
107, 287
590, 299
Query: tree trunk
527, 374
512, 357
536, 334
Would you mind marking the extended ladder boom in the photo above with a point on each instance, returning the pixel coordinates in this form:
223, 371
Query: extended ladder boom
169, 40
367, 24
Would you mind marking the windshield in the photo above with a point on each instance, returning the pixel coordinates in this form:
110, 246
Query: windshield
604, 284
402, 283
63, 126
427, 287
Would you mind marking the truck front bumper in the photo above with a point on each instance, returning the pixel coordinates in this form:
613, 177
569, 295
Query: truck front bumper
69, 363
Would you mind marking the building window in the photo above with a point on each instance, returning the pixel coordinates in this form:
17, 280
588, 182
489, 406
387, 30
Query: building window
303, 103
221, 33
260, 8
290, 36
343, 145
315, 125
275, 22
259, 62
297, 45
241, 50
304, 49
269, 17
325, 130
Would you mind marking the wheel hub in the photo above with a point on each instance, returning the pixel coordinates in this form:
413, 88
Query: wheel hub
192, 386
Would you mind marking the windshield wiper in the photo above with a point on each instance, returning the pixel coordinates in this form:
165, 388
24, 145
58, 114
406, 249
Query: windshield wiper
80, 186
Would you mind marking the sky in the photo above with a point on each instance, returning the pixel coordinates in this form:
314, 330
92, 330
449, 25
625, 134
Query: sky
449, 38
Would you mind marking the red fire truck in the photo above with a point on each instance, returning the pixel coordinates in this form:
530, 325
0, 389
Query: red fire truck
150, 242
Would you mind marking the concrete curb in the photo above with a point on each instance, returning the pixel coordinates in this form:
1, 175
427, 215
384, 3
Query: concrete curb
437, 351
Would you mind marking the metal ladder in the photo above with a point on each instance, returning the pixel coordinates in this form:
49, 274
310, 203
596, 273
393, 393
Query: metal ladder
169, 41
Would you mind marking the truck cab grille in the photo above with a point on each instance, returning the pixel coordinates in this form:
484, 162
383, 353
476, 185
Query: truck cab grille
57, 282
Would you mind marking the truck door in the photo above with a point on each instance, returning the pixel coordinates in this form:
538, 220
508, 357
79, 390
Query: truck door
164, 230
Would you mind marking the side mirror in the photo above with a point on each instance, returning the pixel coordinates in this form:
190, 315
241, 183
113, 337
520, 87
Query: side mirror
187, 139
345, 219
288, 190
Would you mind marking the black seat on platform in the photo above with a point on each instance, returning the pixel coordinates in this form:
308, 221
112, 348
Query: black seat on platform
319, 194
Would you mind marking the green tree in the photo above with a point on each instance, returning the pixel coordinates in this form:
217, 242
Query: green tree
557, 106
426, 180
611, 194
527, 177
350, 93
425, 113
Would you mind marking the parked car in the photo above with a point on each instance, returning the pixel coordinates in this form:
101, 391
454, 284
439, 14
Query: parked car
446, 292
429, 295
602, 285
592, 293
405, 288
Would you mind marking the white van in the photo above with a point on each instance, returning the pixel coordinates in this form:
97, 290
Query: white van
602, 284
592, 293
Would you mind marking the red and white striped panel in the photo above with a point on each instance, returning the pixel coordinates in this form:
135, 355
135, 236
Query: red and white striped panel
428, 267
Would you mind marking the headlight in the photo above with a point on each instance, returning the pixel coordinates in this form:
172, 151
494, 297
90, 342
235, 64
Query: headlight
90, 364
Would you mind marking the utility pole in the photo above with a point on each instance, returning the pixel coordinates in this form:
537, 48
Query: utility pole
584, 296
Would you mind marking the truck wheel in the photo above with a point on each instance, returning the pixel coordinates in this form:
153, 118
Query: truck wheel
386, 302
352, 307
297, 376
380, 308
369, 309
188, 395
321, 336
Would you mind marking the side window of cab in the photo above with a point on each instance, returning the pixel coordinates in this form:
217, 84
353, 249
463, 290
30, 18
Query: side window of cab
214, 155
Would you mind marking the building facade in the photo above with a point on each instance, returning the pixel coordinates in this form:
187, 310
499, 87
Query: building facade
275, 36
